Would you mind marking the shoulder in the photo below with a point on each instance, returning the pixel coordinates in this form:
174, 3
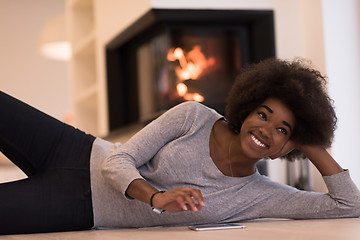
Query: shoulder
194, 111
189, 114
189, 104
192, 107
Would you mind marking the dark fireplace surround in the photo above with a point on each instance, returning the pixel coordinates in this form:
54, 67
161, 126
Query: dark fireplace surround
235, 37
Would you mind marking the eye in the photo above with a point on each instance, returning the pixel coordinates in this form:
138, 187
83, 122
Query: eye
283, 131
262, 115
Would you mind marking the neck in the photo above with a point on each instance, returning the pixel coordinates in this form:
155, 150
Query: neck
233, 161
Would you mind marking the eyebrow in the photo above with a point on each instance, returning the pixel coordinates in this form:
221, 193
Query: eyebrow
272, 111
267, 108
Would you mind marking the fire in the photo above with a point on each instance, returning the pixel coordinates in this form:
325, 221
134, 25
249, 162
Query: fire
191, 66
181, 89
194, 97
178, 53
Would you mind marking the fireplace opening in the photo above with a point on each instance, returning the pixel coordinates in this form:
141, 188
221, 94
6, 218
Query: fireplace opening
170, 56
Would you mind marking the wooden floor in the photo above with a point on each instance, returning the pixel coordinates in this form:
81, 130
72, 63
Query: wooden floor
329, 229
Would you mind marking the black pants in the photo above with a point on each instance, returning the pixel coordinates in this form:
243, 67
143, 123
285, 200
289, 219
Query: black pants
56, 196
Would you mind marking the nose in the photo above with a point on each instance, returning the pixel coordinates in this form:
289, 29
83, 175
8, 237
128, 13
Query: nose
265, 131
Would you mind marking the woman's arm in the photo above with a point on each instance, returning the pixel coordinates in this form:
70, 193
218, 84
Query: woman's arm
174, 200
321, 159
120, 168
342, 200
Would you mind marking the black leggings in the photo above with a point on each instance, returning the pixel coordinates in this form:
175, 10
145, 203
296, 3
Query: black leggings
56, 196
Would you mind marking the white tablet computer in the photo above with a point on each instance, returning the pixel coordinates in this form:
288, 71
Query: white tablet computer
217, 226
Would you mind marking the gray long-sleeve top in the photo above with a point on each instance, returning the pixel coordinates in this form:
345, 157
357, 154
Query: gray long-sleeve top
173, 151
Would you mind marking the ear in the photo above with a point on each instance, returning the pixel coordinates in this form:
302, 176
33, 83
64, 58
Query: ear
287, 148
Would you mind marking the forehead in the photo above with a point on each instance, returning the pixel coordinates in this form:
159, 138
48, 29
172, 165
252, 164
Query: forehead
279, 109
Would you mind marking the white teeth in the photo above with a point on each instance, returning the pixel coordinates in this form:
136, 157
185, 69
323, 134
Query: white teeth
257, 141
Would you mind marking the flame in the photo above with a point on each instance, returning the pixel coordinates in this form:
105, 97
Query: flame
194, 97
191, 66
178, 53
181, 89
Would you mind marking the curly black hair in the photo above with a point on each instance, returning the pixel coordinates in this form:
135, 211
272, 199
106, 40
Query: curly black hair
300, 87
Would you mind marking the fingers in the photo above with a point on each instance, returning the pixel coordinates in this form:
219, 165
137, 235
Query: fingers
190, 199
181, 199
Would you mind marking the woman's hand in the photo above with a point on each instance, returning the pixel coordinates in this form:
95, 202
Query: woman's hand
174, 200
179, 199
287, 148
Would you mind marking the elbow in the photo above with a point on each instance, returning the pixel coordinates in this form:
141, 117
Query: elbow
107, 167
356, 208
352, 209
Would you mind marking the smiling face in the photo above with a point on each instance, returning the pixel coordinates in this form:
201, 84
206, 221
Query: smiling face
267, 129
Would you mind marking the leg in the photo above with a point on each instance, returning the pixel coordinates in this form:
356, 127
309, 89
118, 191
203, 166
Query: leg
55, 199
42, 203
55, 156
27, 136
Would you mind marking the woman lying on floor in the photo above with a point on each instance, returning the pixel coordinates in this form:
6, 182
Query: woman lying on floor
189, 166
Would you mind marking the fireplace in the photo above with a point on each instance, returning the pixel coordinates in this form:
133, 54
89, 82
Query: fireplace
169, 56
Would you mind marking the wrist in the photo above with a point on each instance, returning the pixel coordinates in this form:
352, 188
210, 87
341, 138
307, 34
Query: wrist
156, 210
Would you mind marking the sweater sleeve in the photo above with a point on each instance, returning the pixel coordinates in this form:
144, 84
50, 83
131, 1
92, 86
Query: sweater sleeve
342, 200
120, 168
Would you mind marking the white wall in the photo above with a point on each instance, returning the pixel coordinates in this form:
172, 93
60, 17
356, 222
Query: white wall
342, 51
23, 72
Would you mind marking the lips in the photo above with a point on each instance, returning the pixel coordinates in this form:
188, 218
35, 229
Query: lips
258, 142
